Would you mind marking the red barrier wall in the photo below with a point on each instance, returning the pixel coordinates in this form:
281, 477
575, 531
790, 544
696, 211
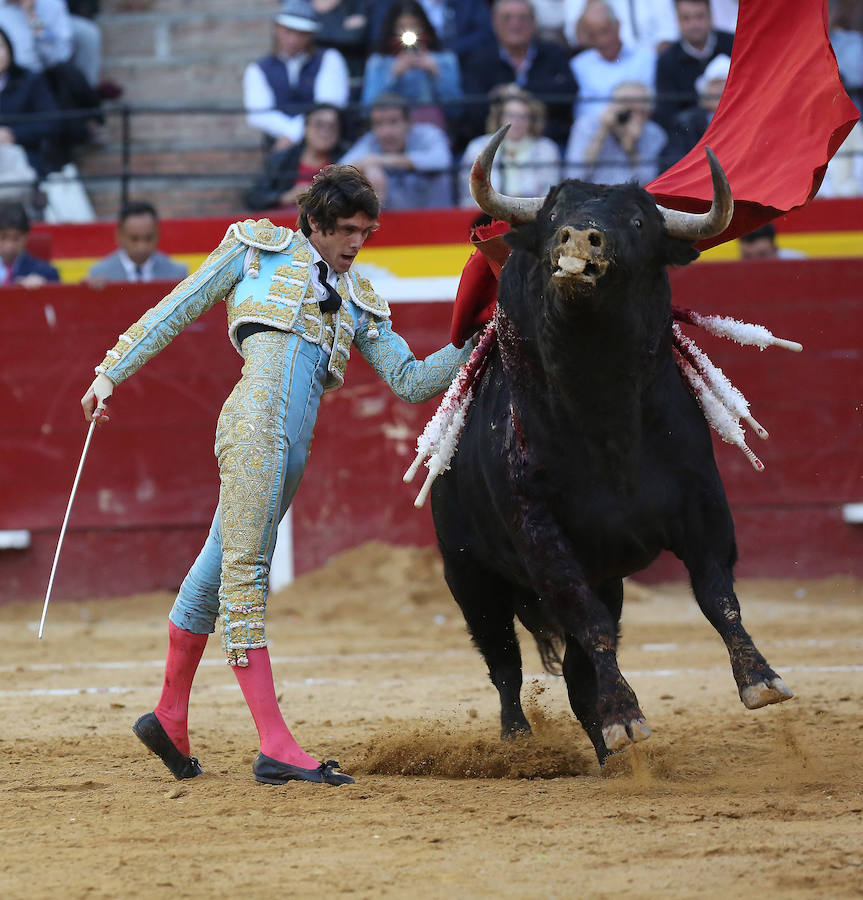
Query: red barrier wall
150, 484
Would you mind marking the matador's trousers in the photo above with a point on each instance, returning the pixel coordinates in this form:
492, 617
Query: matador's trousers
262, 443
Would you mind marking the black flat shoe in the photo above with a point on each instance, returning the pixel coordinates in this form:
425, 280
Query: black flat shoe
271, 771
149, 729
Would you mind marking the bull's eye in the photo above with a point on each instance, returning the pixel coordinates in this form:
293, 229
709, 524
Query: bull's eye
636, 223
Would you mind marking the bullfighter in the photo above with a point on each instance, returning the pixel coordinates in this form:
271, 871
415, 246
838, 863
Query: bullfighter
294, 309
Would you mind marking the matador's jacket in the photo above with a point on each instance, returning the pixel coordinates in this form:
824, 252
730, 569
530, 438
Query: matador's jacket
264, 275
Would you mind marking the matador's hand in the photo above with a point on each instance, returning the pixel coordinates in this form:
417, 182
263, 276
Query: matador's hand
95, 400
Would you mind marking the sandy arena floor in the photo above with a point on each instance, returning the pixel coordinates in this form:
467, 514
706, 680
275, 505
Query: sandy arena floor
374, 669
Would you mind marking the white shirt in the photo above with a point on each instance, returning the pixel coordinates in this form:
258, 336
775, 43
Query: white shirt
597, 77
131, 270
332, 85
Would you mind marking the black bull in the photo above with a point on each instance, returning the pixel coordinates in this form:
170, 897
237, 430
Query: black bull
584, 454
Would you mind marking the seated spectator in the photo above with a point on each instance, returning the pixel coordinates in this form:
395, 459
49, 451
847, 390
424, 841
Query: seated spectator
462, 26
24, 93
624, 145
527, 164
685, 60
761, 244
406, 162
42, 33
344, 26
518, 56
279, 88
136, 258
408, 61
648, 23
17, 266
690, 125
607, 61
287, 173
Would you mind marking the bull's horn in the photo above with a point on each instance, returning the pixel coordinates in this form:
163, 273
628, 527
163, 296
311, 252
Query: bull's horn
515, 210
698, 226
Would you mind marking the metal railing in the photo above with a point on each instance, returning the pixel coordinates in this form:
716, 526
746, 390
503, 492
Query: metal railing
129, 173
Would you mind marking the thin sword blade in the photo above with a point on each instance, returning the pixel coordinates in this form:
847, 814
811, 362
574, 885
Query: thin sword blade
63, 528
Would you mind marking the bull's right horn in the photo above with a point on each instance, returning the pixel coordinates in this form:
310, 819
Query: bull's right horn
515, 210
699, 226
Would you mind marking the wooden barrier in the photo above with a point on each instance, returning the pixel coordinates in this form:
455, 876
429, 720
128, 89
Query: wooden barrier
150, 485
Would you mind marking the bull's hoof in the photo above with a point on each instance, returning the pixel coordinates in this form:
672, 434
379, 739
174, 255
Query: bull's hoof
620, 734
754, 696
514, 733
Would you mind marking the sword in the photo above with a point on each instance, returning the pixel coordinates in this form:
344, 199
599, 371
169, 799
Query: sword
66, 521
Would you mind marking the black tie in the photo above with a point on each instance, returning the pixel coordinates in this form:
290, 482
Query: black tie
333, 301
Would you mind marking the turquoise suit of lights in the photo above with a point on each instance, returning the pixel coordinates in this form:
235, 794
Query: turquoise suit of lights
264, 274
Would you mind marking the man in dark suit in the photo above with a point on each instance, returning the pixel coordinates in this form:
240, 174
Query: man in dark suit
136, 258
17, 266
518, 56
685, 60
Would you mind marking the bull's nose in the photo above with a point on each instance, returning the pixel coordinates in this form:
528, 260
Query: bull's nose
582, 238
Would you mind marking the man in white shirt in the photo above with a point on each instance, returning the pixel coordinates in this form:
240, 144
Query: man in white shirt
279, 88
607, 63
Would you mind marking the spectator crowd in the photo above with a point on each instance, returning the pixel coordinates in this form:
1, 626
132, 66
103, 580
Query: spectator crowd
604, 90
409, 91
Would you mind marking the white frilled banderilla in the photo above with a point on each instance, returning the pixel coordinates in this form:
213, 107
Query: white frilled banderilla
721, 402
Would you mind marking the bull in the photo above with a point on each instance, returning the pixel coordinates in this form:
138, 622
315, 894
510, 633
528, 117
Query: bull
584, 453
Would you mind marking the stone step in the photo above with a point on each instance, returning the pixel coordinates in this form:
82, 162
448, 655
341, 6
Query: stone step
165, 39
237, 162
182, 82
165, 128
173, 199
112, 8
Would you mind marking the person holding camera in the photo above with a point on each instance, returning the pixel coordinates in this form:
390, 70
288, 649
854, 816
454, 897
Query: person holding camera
409, 61
623, 144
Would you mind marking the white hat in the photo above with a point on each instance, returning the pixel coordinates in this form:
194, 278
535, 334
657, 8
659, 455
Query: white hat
298, 15
717, 68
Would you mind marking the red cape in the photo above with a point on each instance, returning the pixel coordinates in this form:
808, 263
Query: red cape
782, 116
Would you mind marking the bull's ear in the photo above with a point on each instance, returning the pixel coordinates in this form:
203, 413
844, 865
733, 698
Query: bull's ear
524, 237
679, 252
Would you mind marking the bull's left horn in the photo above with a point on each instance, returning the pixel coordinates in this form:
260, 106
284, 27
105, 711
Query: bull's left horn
699, 226
514, 210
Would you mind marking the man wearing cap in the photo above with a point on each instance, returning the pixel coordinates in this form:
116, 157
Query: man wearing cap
279, 88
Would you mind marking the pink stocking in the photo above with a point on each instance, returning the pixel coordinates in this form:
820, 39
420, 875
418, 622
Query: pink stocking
184, 654
256, 683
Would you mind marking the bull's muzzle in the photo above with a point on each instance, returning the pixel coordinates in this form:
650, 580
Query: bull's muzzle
579, 255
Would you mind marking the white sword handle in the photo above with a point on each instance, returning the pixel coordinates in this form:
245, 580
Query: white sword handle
65, 522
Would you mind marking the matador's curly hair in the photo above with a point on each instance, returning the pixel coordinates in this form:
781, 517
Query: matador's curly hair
336, 192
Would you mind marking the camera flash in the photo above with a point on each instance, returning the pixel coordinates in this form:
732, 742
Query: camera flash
409, 38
